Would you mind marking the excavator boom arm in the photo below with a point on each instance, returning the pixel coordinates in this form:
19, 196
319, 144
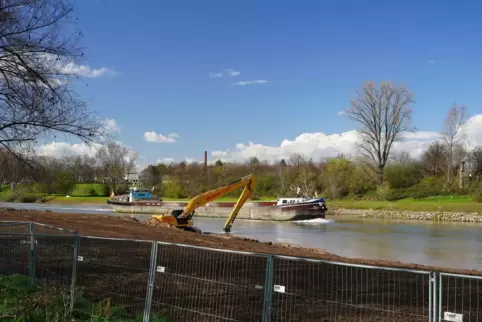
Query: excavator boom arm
247, 191
248, 182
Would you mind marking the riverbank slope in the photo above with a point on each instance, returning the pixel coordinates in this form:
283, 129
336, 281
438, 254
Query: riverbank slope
126, 227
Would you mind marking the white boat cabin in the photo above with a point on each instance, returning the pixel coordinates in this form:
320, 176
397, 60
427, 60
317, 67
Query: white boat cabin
289, 201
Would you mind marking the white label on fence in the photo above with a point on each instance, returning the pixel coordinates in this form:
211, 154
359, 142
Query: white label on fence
453, 317
258, 287
161, 269
80, 258
279, 288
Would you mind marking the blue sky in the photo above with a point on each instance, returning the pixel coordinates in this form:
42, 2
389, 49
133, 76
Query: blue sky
313, 56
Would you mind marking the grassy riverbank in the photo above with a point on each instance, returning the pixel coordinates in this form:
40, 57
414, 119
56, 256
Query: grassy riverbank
23, 302
430, 204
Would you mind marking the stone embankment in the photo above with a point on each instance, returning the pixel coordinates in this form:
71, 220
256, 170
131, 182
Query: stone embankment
407, 215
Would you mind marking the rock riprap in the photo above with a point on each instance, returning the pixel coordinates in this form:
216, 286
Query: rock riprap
408, 215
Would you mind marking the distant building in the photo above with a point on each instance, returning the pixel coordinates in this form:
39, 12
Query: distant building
132, 178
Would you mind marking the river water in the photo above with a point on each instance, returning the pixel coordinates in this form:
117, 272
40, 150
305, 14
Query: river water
451, 245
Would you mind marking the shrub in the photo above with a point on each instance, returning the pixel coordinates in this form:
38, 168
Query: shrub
383, 191
477, 196
46, 301
398, 194
28, 198
93, 192
90, 189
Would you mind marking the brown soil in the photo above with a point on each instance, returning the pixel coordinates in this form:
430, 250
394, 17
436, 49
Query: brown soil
127, 227
204, 285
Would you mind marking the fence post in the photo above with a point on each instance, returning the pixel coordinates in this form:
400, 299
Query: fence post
432, 296
268, 289
31, 252
439, 308
75, 257
151, 281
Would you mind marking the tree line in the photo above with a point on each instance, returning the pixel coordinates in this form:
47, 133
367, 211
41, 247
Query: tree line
338, 177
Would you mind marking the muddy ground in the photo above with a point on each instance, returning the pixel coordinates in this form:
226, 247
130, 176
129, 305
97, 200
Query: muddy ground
195, 284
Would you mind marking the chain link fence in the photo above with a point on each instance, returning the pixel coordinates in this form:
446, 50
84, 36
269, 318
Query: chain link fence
134, 280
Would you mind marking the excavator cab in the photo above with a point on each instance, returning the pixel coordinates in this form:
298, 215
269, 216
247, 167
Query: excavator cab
182, 218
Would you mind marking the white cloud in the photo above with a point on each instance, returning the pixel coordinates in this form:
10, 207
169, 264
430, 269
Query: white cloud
341, 113
111, 126
159, 138
215, 75
233, 73
61, 149
473, 130
320, 145
57, 69
227, 73
220, 154
250, 82
64, 66
85, 71
166, 160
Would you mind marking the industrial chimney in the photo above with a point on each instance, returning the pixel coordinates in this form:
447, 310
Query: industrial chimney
206, 164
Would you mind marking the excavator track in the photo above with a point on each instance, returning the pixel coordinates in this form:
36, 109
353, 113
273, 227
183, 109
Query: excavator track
193, 229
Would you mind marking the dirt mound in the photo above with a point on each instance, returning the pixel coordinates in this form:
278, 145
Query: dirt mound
128, 227
153, 222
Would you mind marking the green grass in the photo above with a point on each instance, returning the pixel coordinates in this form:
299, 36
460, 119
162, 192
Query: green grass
437, 203
23, 302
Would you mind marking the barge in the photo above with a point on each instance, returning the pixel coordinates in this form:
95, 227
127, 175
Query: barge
141, 201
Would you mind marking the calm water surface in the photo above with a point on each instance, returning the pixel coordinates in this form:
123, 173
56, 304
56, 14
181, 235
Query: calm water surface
454, 245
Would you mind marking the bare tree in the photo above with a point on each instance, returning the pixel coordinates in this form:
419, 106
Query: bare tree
384, 113
12, 171
402, 157
150, 176
37, 61
131, 163
49, 172
476, 163
453, 133
434, 159
114, 162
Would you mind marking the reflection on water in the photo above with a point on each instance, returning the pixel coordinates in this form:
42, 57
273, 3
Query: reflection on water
455, 245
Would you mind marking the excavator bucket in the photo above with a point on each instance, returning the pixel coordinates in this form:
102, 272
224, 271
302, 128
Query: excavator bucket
171, 219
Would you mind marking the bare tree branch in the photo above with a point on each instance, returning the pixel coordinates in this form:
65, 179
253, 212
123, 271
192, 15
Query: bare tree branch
37, 68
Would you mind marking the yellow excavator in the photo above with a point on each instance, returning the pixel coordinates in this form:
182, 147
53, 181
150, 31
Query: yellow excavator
182, 218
